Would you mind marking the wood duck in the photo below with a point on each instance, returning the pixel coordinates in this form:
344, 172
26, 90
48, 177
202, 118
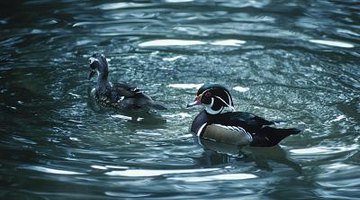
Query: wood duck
119, 95
218, 122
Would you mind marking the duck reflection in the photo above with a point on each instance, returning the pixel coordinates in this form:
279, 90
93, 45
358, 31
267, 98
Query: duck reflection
220, 154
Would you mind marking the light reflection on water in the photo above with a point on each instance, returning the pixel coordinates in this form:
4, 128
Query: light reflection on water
294, 62
173, 42
145, 173
333, 43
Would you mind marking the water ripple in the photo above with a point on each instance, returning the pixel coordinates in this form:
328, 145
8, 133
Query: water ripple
219, 177
150, 172
333, 43
171, 42
50, 170
121, 5
292, 61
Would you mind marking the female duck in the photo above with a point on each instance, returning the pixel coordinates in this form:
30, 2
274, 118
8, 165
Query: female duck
120, 95
218, 122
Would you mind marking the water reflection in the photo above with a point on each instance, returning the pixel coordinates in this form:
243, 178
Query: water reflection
294, 61
261, 157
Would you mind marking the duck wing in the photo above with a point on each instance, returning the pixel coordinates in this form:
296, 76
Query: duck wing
270, 136
123, 90
262, 134
133, 97
248, 121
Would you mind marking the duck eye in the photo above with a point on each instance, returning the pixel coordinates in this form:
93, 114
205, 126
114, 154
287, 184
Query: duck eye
208, 94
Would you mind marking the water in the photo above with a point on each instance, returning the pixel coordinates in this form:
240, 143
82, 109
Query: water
296, 61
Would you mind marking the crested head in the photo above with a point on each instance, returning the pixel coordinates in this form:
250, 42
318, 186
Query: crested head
215, 97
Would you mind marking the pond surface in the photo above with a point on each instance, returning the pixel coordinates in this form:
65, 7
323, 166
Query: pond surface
295, 61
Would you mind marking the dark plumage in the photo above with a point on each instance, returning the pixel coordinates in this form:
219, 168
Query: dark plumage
119, 95
219, 123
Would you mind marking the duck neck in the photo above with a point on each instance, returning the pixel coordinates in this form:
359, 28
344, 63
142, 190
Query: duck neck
221, 110
103, 85
210, 111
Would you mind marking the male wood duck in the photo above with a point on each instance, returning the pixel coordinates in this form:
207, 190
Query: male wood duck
119, 95
218, 122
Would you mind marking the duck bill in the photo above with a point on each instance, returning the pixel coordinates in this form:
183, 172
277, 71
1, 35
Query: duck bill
91, 74
197, 101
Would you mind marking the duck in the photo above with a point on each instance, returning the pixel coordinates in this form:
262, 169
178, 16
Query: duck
219, 122
120, 95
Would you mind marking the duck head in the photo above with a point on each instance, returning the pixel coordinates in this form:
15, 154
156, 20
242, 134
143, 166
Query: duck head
98, 64
216, 99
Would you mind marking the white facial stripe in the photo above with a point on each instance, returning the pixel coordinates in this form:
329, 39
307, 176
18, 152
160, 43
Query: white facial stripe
224, 101
228, 95
212, 102
230, 102
204, 92
210, 110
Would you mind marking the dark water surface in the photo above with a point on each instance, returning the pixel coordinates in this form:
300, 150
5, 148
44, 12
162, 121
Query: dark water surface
295, 60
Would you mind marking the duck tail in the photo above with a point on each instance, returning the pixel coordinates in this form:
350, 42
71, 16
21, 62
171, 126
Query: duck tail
270, 136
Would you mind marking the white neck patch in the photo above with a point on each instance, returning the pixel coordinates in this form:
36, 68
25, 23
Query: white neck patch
223, 109
209, 109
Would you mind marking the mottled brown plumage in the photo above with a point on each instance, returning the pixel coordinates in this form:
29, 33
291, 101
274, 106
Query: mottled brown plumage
119, 95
